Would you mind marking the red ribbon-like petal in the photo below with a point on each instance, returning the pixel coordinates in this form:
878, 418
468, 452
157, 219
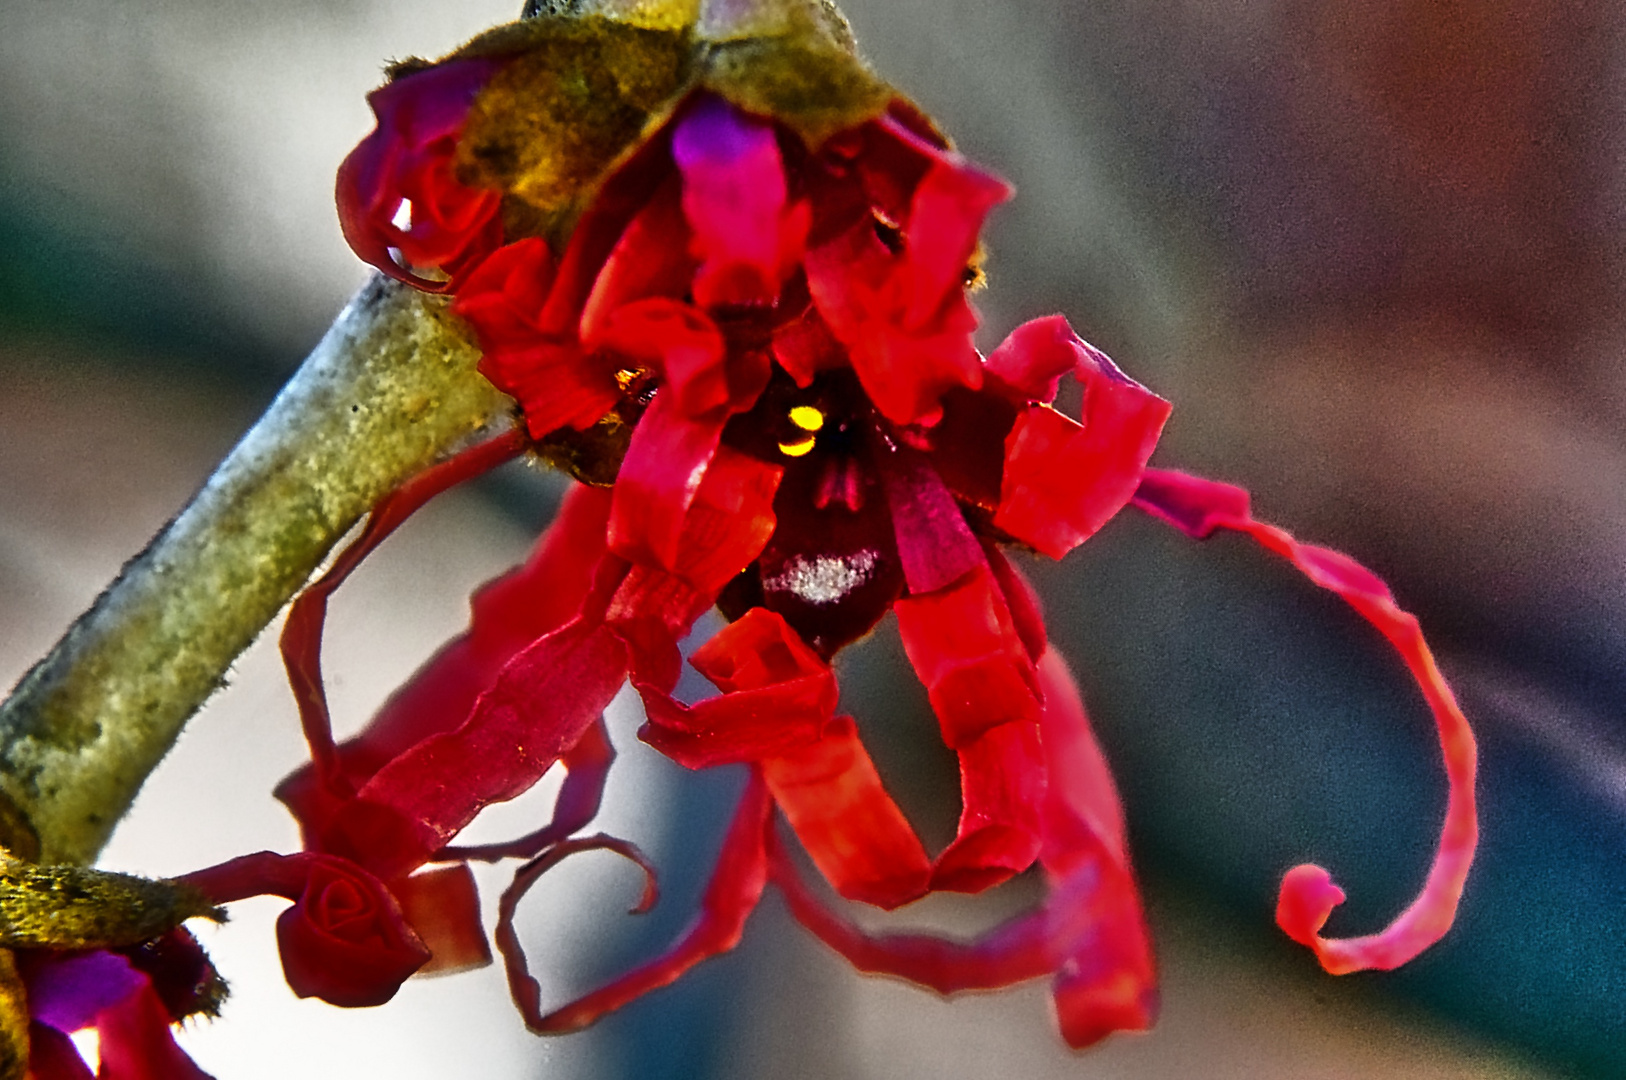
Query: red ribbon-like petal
1033, 359
409, 161
651, 259
778, 695
945, 217
659, 479
965, 648
302, 633
1063, 480
677, 340
1200, 507
587, 768
900, 309
522, 986
935, 544
543, 701
508, 614
735, 888
746, 234
835, 801
1089, 932
503, 297
1002, 782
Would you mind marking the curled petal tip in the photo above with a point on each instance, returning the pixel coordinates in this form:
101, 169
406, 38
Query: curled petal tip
1198, 507
651, 894
1306, 900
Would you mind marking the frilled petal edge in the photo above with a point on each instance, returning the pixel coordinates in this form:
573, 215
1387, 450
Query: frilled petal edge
778, 696
1064, 480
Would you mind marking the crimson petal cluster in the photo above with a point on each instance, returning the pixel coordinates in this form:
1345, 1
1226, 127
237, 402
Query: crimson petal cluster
758, 346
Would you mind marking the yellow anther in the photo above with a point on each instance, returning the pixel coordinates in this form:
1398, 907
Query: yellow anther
797, 448
807, 418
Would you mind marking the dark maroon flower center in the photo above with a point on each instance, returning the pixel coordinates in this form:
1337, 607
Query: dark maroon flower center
832, 568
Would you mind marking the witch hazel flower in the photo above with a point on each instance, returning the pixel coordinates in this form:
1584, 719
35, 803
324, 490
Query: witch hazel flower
723, 272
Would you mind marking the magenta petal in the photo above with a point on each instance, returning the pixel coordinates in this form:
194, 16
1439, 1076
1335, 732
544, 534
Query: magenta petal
138, 1044
734, 195
67, 990
1195, 506
430, 104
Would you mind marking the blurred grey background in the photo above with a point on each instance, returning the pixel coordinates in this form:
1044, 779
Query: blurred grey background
1372, 252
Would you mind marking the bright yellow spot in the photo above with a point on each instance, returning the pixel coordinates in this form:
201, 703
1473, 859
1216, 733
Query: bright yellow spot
807, 418
797, 448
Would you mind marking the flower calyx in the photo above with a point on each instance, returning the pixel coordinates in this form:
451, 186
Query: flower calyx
513, 134
83, 948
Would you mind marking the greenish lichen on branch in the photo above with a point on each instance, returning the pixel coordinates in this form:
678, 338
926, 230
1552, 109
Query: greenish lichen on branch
390, 389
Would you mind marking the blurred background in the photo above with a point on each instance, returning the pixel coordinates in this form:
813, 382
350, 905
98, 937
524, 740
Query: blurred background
1372, 252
